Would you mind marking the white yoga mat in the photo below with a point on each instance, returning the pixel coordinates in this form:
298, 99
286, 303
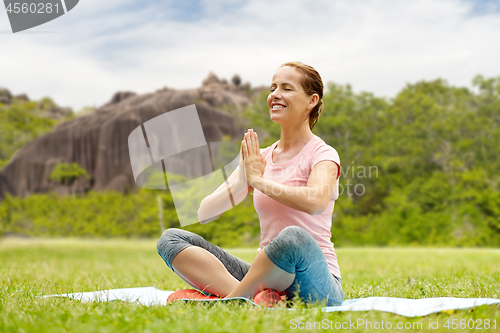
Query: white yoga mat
402, 306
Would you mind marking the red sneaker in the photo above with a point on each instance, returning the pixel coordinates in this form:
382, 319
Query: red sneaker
269, 297
188, 294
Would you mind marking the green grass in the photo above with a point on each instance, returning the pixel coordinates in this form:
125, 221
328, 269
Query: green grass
31, 268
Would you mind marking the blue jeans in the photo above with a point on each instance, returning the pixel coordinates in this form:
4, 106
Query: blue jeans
293, 250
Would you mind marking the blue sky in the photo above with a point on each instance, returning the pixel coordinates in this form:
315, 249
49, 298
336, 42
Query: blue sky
100, 47
484, 7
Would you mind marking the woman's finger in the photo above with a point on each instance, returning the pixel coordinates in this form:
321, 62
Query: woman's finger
248, 142
254, 143
245, 150
248, 138
257, 146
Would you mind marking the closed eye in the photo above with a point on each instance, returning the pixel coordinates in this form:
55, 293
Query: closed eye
286, 89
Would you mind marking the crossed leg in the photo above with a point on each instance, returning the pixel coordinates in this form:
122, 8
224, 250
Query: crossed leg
293, 262
208, 268
199, 263
192, 265
263, 274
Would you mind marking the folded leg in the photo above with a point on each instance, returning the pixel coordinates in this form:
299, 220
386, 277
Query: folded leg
295, 251
199, 263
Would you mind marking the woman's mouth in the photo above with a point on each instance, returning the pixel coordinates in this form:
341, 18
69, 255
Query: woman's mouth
277, 107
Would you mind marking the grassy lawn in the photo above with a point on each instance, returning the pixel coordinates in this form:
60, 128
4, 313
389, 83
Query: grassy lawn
30, 268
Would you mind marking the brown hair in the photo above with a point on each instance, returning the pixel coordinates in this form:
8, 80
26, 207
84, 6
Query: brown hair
312, 84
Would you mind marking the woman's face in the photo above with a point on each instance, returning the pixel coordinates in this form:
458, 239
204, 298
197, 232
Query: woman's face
287, 101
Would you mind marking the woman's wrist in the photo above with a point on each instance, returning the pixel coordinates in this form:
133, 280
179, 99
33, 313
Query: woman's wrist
257, 182
240, 184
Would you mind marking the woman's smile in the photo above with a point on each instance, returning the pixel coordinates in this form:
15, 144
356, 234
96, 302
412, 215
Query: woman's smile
277, 106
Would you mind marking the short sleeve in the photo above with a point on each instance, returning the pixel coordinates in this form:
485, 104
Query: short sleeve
326, 153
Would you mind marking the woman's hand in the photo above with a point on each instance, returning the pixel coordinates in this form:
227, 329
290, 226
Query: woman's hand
241, 174
254, 164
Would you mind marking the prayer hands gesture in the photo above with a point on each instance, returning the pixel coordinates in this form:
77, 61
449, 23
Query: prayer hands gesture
254, 164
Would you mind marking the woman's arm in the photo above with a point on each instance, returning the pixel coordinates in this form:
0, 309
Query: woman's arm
312, 198
212, 207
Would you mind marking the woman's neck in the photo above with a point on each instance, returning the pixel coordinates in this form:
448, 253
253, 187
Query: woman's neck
294, 137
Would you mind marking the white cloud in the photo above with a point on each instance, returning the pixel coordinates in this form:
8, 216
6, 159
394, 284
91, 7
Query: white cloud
379, 46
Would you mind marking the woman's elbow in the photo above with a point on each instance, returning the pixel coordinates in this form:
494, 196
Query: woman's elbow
201, 212
200, 215
317, 206
209, 219
203, 215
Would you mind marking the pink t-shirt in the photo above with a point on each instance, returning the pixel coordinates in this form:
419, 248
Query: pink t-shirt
275, 216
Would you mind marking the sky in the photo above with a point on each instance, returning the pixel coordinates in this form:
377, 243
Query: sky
81, 58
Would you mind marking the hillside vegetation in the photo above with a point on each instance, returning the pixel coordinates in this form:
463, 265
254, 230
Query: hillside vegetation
416, 169
21, 121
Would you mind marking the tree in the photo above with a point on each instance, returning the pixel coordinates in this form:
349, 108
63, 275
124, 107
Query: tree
67, 174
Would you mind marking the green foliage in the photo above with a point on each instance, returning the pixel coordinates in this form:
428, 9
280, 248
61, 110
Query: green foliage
67, 173
112, 214
424, 164
418, 169
20, 123
47, 103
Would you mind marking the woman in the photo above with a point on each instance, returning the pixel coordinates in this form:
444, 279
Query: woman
296, 185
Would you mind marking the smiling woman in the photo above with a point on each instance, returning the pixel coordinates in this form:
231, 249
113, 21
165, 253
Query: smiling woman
296, 185
311, 84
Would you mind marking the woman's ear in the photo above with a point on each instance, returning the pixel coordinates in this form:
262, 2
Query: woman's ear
313, 101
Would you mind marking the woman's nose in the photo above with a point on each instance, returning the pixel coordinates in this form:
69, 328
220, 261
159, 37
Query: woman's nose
275, 94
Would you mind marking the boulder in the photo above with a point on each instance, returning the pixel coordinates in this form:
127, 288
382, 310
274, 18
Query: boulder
22, 97
5, 96
98, 140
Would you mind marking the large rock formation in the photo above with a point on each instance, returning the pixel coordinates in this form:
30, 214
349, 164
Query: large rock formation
98, 140
5, 96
